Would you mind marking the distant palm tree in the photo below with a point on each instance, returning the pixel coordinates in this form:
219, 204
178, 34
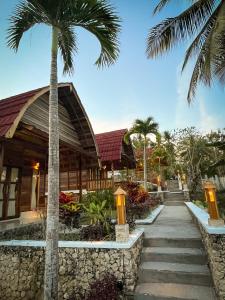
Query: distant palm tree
143, 128
62, 16
204, 22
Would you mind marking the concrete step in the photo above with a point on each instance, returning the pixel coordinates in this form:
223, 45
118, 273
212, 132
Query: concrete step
164, 272
174, 196
174, 203
173, 242
172, 291
174, 255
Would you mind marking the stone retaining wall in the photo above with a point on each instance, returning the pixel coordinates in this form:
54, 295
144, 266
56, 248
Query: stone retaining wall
215, 247
22, 270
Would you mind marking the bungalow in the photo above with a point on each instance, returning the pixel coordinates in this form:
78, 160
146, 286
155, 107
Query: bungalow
114, 154
24, 148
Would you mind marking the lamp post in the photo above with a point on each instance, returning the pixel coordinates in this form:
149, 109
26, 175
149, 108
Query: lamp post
184, 182
185, 187
179, 180
210, 195
121, 228
159, 183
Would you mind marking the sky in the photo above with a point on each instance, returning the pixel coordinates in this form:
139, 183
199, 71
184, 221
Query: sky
134, 87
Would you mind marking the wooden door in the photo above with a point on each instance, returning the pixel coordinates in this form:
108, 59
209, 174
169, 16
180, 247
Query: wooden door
26, 189
9, 192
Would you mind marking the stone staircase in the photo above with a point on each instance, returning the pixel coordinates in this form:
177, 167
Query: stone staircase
174, 199
173, 186
174, 263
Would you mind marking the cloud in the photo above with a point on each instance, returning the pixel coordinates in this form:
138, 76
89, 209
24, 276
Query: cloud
196, 114
207, 121
105, 125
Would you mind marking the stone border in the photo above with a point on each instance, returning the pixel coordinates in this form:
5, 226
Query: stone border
151, 217
202, 217
133, 237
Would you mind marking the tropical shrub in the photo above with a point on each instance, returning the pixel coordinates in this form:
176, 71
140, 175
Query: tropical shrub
135, 192
98, 197
104, 289
97, 232
69, 214
98, 209
65, 198
139, 203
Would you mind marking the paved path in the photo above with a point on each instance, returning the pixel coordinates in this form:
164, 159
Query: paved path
174, 263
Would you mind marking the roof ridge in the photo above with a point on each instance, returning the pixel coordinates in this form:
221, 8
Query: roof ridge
112, 131
30, 92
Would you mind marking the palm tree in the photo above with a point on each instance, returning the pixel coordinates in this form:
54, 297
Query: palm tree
143, 128
63, 16
204, 22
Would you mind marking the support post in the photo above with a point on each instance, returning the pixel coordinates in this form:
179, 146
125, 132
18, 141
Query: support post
80, 177
112, 169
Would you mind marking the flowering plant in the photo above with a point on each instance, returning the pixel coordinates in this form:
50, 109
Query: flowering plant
65, 198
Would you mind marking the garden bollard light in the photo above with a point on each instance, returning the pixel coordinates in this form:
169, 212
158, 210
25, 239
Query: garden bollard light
122, 229
159, 183
210, 195
184, 182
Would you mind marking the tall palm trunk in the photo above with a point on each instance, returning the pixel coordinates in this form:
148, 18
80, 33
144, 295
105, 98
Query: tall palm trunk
51, 252
145, 165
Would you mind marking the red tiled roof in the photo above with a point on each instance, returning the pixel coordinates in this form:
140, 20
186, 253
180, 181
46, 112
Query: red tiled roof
11, 107
110, 145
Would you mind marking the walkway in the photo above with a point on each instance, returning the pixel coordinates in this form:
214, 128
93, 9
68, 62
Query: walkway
174, 264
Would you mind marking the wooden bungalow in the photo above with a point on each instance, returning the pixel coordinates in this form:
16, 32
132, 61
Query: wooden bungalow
114, 154
24, 148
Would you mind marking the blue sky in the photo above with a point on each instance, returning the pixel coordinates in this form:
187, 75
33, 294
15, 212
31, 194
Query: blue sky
133, 88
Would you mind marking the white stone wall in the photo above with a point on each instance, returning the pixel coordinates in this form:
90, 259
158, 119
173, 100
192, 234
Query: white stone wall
22, 270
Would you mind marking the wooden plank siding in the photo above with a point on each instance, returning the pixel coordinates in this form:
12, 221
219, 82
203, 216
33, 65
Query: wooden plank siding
37, 115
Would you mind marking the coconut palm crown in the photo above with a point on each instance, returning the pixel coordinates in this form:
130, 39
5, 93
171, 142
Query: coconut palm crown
143, 128
203, 22
62, 16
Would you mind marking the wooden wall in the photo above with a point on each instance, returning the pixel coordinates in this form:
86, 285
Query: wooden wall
37, 115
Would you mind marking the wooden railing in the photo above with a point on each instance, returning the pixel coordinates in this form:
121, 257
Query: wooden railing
103, 184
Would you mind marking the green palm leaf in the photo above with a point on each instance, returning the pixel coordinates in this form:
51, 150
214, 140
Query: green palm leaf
205, 21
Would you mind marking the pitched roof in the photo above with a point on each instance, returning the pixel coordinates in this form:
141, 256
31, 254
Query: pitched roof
12, 110
110, 145
11, 107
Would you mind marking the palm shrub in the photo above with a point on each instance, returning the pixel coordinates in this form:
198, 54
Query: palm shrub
143, 128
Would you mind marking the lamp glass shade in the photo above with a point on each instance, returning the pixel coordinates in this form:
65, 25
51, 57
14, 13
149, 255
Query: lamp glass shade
120, 201
211, 196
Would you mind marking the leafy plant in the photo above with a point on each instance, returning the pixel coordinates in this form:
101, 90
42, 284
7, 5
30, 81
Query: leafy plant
65, 198
98, 197
99, 213
104, 289
135, 193
69, 214
97, 232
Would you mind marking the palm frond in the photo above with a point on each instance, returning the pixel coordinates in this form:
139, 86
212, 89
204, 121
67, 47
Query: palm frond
171, 31
100, 19
219, 54
23, 18
204, 67
160, 6
67, 46
198, 42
